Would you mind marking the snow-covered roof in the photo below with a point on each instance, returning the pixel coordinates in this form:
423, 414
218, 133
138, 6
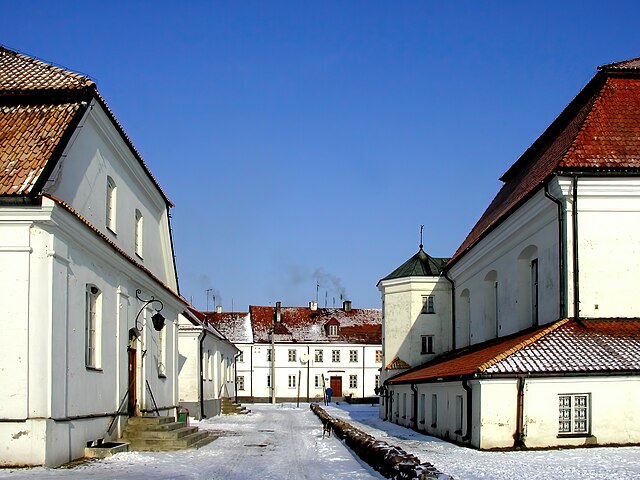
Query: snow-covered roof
564, 347
233, 325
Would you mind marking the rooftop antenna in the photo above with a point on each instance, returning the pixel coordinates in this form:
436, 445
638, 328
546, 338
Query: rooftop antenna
317, 288
421, 228
325, 299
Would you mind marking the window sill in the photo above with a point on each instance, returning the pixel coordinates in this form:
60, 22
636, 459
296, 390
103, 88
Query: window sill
574, 435
93, 369
427, 353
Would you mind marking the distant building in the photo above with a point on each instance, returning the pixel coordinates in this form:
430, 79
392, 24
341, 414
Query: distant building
85, 244
314, 348
539, 341
206, 367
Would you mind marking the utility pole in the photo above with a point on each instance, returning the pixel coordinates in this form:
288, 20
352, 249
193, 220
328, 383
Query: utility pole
273, 363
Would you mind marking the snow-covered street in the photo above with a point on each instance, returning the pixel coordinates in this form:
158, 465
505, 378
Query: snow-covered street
273, 442
285, 442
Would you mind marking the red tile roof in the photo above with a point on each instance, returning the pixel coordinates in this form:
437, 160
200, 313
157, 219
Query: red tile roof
566, 346
40, 105
301, 324
599, 131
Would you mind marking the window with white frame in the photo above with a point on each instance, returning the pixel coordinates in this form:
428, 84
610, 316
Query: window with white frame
240, 382
269, 381
292, 355
269, 355
319, 355
93, 327
111, 204
353, 381
428, 304
162, 356
333, 330
292, 381
138, 233
353, 356
318, 381
377, 381
378, 356
573, 415
335, 356
426, 344
241, 357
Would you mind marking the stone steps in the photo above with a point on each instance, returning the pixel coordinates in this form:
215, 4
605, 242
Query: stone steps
158, 434
228, 407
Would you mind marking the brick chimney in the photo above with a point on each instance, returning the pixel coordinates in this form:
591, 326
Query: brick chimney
346, 305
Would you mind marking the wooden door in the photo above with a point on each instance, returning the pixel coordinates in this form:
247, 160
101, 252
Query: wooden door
132, 382
336, 386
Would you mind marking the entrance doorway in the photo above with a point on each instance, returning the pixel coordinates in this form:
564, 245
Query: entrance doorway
336, 386
133, 386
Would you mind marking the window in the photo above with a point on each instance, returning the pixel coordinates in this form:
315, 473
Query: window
426, 344
241, 357
434, 410
335, 356
111, 204
162, 345
573, 414
269, 355
377, 381
211, 357
427, 304
459, 414
292, 381
93, 326
319, 356
378, 356
353, 356
333, 330
292, 355
138, 233
318, 381
269, 381
353, 381
240, 382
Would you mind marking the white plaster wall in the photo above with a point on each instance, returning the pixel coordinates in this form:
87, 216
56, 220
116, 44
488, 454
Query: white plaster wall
80, 179
533, 224
614, 416
403, 323
498, 410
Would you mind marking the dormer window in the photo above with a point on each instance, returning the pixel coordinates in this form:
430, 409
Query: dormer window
333, 330
111, 204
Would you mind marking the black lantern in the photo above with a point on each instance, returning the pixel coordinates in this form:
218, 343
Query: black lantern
157, 318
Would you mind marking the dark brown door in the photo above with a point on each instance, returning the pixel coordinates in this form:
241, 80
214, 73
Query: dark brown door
336, 386
132, 382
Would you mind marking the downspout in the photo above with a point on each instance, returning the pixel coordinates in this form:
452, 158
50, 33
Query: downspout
518, 438
561, 249
415, 406
251, 365
201, 338
363, 371
453, 310
235, 373
469, 390
576, 269
308, 371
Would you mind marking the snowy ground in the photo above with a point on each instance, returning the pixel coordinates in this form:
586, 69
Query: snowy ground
284, 442
468, 464
273, 442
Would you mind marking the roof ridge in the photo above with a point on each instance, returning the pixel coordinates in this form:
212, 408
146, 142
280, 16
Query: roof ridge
622, 65
501, 356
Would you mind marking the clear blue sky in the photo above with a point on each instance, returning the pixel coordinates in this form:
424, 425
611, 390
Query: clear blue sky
305, 140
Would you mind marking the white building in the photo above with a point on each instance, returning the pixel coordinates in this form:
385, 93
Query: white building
86, 262
206, 367
314, 348
541, 346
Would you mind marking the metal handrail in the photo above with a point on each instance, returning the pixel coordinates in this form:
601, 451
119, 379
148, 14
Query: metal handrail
152, 398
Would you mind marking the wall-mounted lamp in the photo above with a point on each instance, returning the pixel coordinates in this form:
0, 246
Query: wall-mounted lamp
157, 318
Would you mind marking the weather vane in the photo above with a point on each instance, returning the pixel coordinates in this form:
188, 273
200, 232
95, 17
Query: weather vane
421, 227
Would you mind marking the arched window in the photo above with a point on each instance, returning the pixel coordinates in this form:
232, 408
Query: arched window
93, 327
138, 233
528, 287
111, 204
463, 319
491, 306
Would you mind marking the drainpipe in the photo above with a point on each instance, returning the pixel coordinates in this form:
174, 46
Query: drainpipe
415, 406
469, 390
201, 338
308, 371
561, 250
235, 373
576, 269
363, 371
518, 438
453, 311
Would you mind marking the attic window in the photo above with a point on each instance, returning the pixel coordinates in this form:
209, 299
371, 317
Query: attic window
333, 330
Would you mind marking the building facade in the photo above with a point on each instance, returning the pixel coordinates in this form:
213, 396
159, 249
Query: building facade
90, 295
312, 348
544, 327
